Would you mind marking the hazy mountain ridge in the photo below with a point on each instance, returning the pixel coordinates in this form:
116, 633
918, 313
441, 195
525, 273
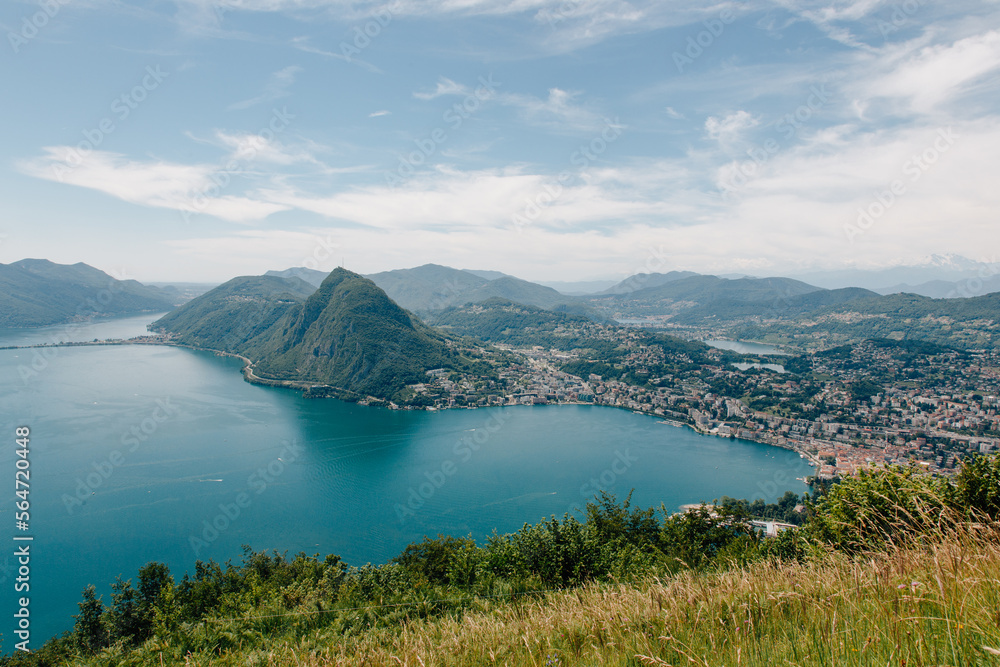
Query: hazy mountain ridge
964, 277
431, 287
37, 292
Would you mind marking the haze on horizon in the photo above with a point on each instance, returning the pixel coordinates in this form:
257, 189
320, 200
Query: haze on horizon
553, 140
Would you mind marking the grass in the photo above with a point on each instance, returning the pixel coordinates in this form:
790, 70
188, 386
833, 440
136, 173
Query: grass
934, 604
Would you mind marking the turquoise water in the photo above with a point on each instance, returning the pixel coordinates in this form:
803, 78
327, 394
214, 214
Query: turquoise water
137, 450
79, 332
744, 347
777, 368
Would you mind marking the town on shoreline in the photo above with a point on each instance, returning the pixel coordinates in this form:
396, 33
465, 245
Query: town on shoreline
820, 415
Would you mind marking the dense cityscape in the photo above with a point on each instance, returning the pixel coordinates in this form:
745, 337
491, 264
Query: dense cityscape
873, 403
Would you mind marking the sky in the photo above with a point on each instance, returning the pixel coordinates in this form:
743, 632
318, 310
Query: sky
197, 140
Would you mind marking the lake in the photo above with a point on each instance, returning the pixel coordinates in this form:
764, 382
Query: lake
777, 368
80, 332
744, 347
142, 453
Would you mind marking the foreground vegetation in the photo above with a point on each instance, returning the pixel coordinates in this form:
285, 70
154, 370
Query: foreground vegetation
892, 567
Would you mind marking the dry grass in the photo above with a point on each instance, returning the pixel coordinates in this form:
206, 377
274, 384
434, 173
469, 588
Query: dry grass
936, 605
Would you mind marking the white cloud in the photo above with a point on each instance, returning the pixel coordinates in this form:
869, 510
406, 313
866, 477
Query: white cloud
158, 184
249, 147
557, 111
445, 86
936, 74
562, 25
377, 114
729, 128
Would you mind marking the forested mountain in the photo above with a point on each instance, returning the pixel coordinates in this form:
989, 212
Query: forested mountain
431, 288
233, 313
503, 321
680, 293
37, 292
729, 310
348, 334
311, 276
642, 281
960, 323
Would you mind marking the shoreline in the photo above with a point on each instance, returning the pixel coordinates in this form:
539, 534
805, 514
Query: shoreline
315, 390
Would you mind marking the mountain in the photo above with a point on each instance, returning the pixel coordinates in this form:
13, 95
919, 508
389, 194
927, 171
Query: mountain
976, 285
667, 294
233, 313
728, 310
37, 292
347, 334
350, 334
184, 292
642, 281
580, 287
972, 323
489, 275
431, 287
503, 321
521, 291
946, 268
311, 276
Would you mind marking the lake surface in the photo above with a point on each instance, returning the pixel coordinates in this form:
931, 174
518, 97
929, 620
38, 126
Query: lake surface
80, 332
744, 347
777, 368
136, 451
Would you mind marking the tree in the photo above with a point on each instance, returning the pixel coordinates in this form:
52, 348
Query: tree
89, 629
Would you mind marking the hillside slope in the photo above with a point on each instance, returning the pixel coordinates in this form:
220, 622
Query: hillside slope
233, 313
37, 292
349, 334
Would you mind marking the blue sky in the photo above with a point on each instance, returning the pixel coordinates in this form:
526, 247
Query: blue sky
554, 140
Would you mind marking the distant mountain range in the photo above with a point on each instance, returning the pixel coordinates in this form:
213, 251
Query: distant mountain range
430, 288
938, 276
37, 292
347, 334
241, 314
665, 295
